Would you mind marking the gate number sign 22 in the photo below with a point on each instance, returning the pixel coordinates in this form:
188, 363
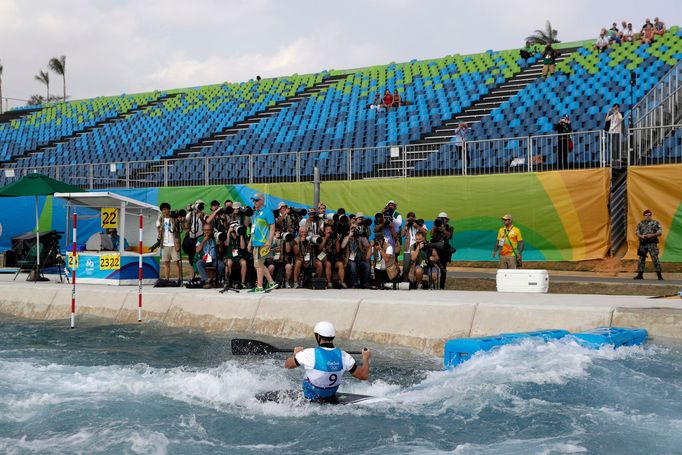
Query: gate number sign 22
109, 218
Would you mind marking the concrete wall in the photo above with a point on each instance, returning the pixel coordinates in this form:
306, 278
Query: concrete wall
422, 320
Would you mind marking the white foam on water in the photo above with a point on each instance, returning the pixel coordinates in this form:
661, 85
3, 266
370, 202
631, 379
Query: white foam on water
112, 437
542, 446
488, 379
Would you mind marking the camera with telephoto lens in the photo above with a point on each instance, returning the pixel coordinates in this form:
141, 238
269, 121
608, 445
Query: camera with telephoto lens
178, 213
220, 236
246, 211
412, 221
317, 239
288, 237
198, 207
240, 229
155, 245
381, 219
438, 222
300, 212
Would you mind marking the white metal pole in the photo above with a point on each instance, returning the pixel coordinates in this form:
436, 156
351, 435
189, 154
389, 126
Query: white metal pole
139, 277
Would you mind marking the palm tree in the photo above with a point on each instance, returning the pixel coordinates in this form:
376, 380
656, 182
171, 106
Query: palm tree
0, 88
35, 100
544, 37
58, 65
44, 77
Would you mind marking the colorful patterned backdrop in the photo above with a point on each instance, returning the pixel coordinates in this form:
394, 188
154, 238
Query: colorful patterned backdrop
563, 216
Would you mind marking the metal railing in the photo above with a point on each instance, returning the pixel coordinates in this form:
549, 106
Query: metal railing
656, 145
582, 150
662, 105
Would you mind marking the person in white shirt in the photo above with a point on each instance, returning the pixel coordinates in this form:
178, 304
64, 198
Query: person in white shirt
169, 237
383, 258
615, 121
325, 365
409, 232
602, 42
628, 34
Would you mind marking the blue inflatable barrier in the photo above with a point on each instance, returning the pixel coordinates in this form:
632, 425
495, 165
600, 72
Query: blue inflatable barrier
613, 336
461, 349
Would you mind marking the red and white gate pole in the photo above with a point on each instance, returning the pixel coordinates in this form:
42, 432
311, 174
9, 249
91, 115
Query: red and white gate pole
139, 279
73, 273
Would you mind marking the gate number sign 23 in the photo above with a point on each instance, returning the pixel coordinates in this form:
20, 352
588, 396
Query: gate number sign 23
112, 262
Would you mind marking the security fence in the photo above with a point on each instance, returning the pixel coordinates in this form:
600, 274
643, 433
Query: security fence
578, 150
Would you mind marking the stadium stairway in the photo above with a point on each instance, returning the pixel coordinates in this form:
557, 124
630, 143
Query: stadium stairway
472, 115
190, 150
220, 136
64, 139
17, 114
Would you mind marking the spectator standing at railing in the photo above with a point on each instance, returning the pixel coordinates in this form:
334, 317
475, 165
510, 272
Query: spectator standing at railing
648, 231
549, 56
564, 141
614, 120
461, 136
659, 27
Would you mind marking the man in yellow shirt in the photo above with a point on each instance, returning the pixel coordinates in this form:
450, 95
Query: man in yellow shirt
510, 244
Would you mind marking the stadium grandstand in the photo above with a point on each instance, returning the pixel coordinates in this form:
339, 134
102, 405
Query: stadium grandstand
278, 130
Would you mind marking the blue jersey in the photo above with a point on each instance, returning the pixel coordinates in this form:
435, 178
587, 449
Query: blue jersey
260, 230
324, 369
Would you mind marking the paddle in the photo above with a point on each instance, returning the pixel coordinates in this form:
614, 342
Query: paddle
242, 346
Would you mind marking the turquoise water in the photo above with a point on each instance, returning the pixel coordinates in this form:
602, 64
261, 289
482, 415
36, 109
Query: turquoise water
150, 389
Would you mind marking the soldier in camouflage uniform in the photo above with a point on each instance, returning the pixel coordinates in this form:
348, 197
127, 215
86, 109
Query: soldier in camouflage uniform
648, 232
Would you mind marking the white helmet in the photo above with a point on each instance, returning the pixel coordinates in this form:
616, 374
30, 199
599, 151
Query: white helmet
325, 329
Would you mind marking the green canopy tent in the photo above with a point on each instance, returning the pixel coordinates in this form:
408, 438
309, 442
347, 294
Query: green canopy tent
37, 185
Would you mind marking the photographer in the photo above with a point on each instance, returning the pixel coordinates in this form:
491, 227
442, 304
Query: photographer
424, 260
441, 235
316, 219
236, 254
238, 214
408, 234
194, 221
388, 223
385, 268
169, 240
284, 259
326, 253
357, 252
281, 264
217, 218
303, 251
210, 254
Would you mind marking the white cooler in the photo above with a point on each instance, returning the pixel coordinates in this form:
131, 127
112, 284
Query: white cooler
522, 280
